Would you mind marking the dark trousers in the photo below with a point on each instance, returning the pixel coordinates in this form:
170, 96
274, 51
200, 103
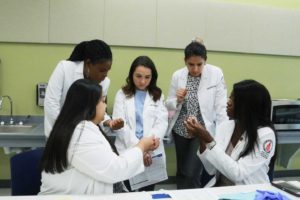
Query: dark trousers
146, 188
189, 166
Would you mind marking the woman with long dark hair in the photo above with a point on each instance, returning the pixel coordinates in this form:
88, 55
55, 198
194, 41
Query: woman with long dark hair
78, 158
140, 104
243, 147
89, 60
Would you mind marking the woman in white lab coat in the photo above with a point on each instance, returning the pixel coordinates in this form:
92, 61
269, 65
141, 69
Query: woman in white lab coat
90, 60
140, 104
197, 90
78, 158
243, 147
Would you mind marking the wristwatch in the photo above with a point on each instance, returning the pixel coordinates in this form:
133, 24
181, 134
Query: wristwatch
211, 145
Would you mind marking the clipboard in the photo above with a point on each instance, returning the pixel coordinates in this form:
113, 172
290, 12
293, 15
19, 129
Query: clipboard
154, 173
292, 187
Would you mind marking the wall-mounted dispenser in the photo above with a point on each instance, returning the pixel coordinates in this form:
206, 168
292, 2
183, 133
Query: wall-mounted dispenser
40, 93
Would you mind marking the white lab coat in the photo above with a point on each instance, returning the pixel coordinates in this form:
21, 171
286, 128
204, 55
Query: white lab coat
65, 73
155, 121
250, 169
212, 96
94, 167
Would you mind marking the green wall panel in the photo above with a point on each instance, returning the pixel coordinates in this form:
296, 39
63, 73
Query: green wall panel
24, 65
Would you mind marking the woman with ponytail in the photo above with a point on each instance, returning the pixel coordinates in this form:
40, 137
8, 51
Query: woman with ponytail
89, 60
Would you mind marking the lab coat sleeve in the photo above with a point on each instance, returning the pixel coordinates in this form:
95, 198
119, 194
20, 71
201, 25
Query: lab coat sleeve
105, 86
118, 109
106, 129
246, 166
171, 102
54, 95
221, 100
160, 124
97, 160
211, 170
124, 137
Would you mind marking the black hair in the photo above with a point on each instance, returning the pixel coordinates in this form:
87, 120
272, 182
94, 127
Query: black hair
97, 51
252, 109
80, 104
129, 89
195, 49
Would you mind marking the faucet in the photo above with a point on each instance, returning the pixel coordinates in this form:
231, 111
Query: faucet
11, 121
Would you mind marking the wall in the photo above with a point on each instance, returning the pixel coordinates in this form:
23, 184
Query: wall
24, 65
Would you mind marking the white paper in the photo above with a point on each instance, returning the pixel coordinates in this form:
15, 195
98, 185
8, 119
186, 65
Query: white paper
192, 195
154, 173
294, 183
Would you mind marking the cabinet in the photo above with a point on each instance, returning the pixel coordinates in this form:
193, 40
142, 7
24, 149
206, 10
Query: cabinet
224, 25
72, 21
24, 20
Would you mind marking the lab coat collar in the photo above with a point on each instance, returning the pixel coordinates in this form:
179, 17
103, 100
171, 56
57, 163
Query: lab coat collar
183, 78
229, 129
130, 112
148, 100
203, 78
204, 74
79, 69
239, 147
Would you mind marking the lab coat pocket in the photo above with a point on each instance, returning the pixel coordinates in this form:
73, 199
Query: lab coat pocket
151, 111
153, 105
211, 87
151, 114
210, 92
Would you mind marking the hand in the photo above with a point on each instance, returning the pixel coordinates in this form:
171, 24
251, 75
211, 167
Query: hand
180, 94
116, 124
147, 159
197, 129
148, 143
194, 128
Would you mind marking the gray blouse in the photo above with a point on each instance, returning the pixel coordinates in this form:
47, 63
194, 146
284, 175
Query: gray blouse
190, 106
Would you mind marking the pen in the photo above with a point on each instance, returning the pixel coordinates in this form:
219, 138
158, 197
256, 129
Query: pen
157, 156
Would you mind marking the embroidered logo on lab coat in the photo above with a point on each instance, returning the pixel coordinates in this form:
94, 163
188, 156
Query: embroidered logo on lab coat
267, 147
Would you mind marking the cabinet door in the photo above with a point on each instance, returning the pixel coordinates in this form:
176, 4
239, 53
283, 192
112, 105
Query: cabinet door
179, 21
73, 21
130, 22
24, 20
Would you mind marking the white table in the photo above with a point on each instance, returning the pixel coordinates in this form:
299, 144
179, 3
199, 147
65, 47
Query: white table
192, 194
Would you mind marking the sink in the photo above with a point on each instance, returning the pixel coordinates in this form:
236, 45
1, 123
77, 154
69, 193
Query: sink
16, 128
